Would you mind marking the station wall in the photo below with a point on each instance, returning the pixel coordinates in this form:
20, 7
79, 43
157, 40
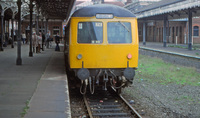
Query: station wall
177, 31
196, 27
54, 27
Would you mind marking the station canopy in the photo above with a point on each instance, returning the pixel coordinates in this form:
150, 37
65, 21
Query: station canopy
51, 9
55, 9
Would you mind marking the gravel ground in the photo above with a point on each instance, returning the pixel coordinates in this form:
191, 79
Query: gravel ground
164, 101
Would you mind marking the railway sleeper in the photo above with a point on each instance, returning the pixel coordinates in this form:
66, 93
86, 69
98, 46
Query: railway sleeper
121, 117
107, 110
111, 114
116, 112
104, 103
105, 106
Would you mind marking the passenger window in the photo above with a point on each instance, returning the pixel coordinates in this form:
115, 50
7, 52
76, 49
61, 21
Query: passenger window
90, 32
119, 32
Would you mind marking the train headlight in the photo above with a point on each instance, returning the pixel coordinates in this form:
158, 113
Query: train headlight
129, 56
79, 56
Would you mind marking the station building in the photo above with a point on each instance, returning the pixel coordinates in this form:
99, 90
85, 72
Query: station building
54, 27
177, 29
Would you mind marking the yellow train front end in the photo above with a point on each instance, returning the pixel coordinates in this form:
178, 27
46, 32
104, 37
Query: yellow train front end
101, 52
103, 49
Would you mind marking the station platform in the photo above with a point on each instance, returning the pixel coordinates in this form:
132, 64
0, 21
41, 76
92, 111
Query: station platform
37, 89
179, 49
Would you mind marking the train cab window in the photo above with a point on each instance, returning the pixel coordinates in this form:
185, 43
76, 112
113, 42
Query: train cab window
119, 32
90, 32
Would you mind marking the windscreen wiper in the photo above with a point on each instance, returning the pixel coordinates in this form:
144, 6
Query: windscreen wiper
124, 26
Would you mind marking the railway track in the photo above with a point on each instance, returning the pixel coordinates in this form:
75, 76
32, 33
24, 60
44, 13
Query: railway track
77, 104
108, 104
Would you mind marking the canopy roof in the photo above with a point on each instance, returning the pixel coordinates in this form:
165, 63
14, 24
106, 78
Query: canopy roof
173, 9
55, 9
51, 9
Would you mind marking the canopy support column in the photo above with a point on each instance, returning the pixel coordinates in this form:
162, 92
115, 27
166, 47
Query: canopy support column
19, 59
12, 33
31, 29
144, 33
46, 30
164, 32
190, 29
2, 18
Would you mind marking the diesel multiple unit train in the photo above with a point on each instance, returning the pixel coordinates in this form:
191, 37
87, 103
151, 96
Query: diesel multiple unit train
102, 47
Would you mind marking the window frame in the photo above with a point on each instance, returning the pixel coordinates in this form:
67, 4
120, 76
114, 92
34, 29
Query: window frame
101, 41
131, 35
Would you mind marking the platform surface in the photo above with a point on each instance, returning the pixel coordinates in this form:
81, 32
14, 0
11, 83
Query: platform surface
183, 50
40, 83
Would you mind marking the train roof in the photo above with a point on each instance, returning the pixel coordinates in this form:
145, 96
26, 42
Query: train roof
92, 10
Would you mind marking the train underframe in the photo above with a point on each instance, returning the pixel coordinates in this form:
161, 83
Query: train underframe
116, 78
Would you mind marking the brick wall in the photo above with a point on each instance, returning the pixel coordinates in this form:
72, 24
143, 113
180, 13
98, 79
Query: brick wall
178, 31
196, 22
51, 26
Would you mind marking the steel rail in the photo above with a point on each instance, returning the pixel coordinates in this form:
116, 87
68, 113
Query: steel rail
125, 101
87, 106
